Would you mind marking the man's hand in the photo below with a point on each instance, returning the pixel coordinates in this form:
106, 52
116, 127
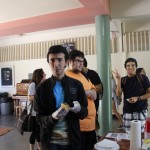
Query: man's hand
116, 75
91, 93
132, 99
60, 113
76, 108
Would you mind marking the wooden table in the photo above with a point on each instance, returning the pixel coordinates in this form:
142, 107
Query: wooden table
123, 144
18, 100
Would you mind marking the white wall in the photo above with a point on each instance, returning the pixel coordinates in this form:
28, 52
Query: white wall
142, 58
22, 68
62, 33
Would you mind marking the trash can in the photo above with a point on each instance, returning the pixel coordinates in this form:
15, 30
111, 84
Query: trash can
6, 105
4, 94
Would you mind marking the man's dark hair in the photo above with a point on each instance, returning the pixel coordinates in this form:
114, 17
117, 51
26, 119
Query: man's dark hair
130, 60
85, 62
57, 49
75, 53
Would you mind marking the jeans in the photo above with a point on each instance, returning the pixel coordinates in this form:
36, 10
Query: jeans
59, 147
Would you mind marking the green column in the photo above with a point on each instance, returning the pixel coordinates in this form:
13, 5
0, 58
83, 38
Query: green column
104, 70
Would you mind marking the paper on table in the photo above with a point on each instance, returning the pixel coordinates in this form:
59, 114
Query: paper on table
118, 136
104, 145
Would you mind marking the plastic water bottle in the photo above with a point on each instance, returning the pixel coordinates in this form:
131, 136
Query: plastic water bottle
147, 129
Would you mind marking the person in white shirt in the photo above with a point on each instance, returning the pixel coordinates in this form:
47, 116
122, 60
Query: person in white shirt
37, 78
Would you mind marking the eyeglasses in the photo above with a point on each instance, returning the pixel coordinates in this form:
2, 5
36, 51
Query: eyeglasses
79, 60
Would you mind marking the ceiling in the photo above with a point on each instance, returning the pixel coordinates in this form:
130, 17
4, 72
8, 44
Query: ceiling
18, 17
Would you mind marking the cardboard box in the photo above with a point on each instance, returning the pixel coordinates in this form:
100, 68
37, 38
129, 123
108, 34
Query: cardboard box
22, 88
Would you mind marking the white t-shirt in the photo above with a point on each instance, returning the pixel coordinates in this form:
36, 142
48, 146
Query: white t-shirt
31, 92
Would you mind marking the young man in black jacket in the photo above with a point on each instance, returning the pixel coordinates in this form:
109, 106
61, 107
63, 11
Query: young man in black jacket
60, 129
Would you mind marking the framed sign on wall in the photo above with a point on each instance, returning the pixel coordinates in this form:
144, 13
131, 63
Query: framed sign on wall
7, 76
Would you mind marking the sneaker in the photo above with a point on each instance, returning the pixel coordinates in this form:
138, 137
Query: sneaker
120, 127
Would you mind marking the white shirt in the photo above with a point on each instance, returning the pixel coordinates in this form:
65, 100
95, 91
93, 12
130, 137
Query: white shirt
31, 92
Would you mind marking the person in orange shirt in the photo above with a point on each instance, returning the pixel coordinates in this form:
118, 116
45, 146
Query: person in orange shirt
87, 125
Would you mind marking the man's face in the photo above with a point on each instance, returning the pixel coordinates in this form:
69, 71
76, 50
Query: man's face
131, 68
57, 64
77, 64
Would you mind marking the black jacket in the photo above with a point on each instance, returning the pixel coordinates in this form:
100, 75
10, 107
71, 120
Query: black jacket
45, 105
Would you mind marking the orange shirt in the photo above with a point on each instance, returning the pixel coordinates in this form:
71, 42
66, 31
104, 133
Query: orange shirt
87, 124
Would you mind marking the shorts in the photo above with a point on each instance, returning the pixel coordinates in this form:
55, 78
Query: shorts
128, 117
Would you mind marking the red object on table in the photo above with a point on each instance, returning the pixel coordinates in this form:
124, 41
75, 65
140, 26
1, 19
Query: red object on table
147, 125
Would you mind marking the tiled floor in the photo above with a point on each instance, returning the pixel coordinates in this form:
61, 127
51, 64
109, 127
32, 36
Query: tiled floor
13, 140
